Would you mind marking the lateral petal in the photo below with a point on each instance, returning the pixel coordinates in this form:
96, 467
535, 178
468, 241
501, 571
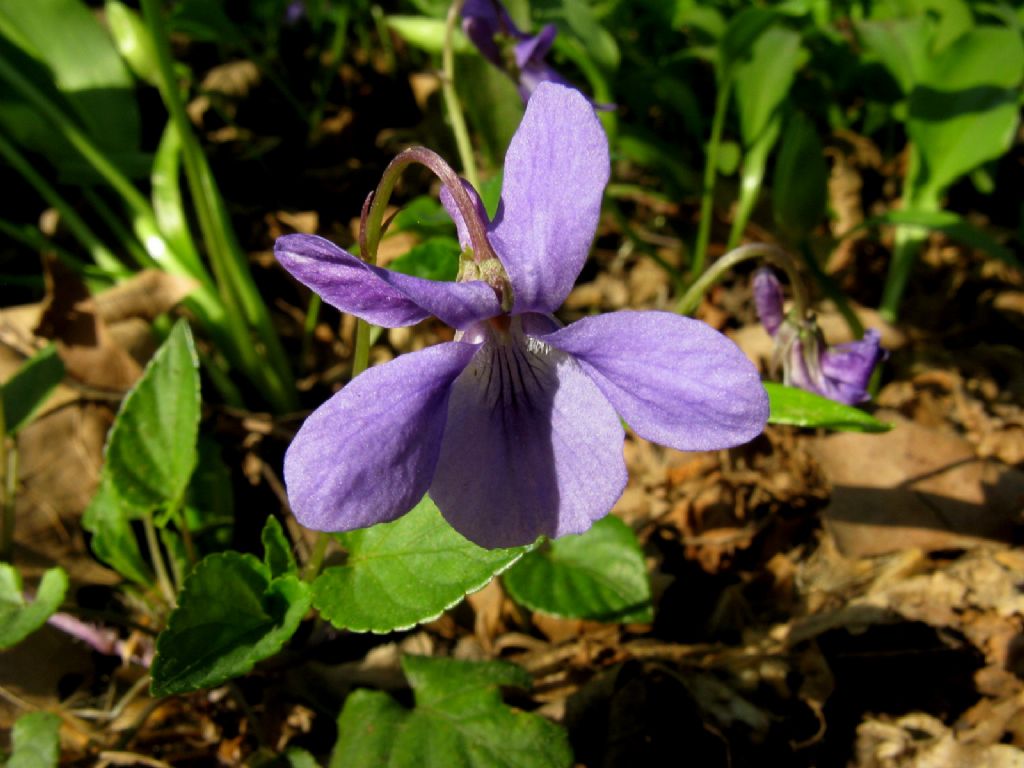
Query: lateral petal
556, 169
368, 454
675, 380
378, 295
531, 447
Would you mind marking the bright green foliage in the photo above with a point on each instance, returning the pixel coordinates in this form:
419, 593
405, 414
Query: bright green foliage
964, 110
459, 722
402, 573
597, 575
799, 408
63, 41
26, 391
231, 614
151, 451
108, 518
18, 618
800, 192
434, 259
133, 40
35, 741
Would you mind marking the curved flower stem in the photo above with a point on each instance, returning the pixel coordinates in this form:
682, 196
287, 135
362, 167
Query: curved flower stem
451, 97
371, 228
770, 253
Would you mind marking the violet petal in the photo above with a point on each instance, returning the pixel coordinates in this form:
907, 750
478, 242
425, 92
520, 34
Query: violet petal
531, 448
768, 300
453, 210
848, 367
675, 380
556, 169
533, 48
368, 454
377, 295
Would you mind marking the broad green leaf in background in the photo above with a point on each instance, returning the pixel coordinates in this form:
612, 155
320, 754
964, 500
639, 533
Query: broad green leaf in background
402, 573
800, 408
577, 18
492, 103
151, 450
231, 614
459, 720
800, 184
108, 518
427, 34
35, 741
132, 40
597, 575
738, 39
763, 80
433, 259
26, 391
66, 37
964, 110
277, 550
949, 223
901, 45
19, 618
762, 83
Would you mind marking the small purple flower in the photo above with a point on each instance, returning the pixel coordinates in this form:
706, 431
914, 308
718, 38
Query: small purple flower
839, 373
513, 427
521, 56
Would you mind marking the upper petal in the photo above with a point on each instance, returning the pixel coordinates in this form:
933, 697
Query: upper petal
675, 380
533, 48
368, 454
768, 299
556, 169
531, 448
377, 295
453, 210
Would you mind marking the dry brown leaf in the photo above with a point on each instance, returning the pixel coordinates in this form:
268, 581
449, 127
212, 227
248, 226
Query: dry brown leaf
915, 487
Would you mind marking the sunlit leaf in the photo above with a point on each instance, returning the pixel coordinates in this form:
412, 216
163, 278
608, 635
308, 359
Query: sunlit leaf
230, 615
800, 408
151, 451
597, 575
965, 109
459, 720
402, 573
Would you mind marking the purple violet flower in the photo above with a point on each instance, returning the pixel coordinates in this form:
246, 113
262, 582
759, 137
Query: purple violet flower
513, 427
839, 373
521, 56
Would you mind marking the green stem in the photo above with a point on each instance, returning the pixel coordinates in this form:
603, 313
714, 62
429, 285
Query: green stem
316, 557
451, 97
157, 557
237, 288
907, 245
707, 198
770, 253
102, 255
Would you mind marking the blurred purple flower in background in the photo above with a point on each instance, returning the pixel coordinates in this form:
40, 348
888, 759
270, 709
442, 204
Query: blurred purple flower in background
839, 373
521, 56
513, 427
